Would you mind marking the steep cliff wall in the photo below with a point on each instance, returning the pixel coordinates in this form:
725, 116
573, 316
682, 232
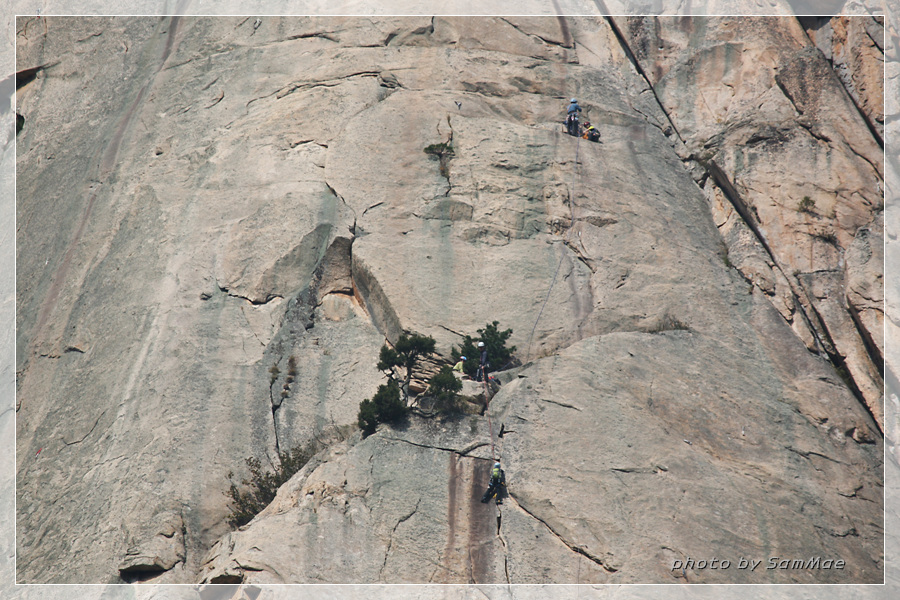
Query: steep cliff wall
795, 173
199, 199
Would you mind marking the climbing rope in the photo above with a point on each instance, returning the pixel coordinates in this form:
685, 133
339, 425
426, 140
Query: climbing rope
484, 380
563, 257
487, 401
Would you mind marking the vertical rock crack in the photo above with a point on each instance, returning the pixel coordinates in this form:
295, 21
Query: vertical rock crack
387, 553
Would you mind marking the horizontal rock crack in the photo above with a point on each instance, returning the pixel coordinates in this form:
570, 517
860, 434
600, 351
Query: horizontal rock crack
543, 39
290, 89
563, 404
327, 35
462, 452
255, 302
647, 470
808, 453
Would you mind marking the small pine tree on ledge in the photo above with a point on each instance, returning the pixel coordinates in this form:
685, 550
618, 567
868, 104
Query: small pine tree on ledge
444, 388
405, 354
385, 407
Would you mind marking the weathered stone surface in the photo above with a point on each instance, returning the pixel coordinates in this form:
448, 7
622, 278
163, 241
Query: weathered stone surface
855, 48
351, 509
453, 272
635, 405
158, 547
657, 430
864, 282
158, 298
746, 252
353, 504
335, 370
826, 292
260, 190
755, 102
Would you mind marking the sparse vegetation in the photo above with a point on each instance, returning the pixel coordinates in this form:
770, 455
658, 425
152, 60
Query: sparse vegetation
723, 253
391, 403
444, 389
257, 492
669, 323
807, 205
401, 363
274, 371
385, 407
498, 355
828, 237
405, 354
442, 149
444, 152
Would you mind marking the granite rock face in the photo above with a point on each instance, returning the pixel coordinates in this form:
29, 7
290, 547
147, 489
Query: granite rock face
768, 117
201, 199
855, 48
403, 505
159, 547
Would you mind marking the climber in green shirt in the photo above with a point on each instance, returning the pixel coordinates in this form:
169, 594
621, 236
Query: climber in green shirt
497, 485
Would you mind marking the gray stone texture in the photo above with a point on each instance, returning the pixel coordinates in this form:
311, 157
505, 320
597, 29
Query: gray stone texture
769, 116
202, 198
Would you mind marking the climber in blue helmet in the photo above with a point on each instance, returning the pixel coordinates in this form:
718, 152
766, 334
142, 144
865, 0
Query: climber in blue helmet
572, 117
573, 107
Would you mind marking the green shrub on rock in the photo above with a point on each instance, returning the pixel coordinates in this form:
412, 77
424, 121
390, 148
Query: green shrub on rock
807, 205
405, 353
498, 355
259, 490
385, 407
443, 388
367, 419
